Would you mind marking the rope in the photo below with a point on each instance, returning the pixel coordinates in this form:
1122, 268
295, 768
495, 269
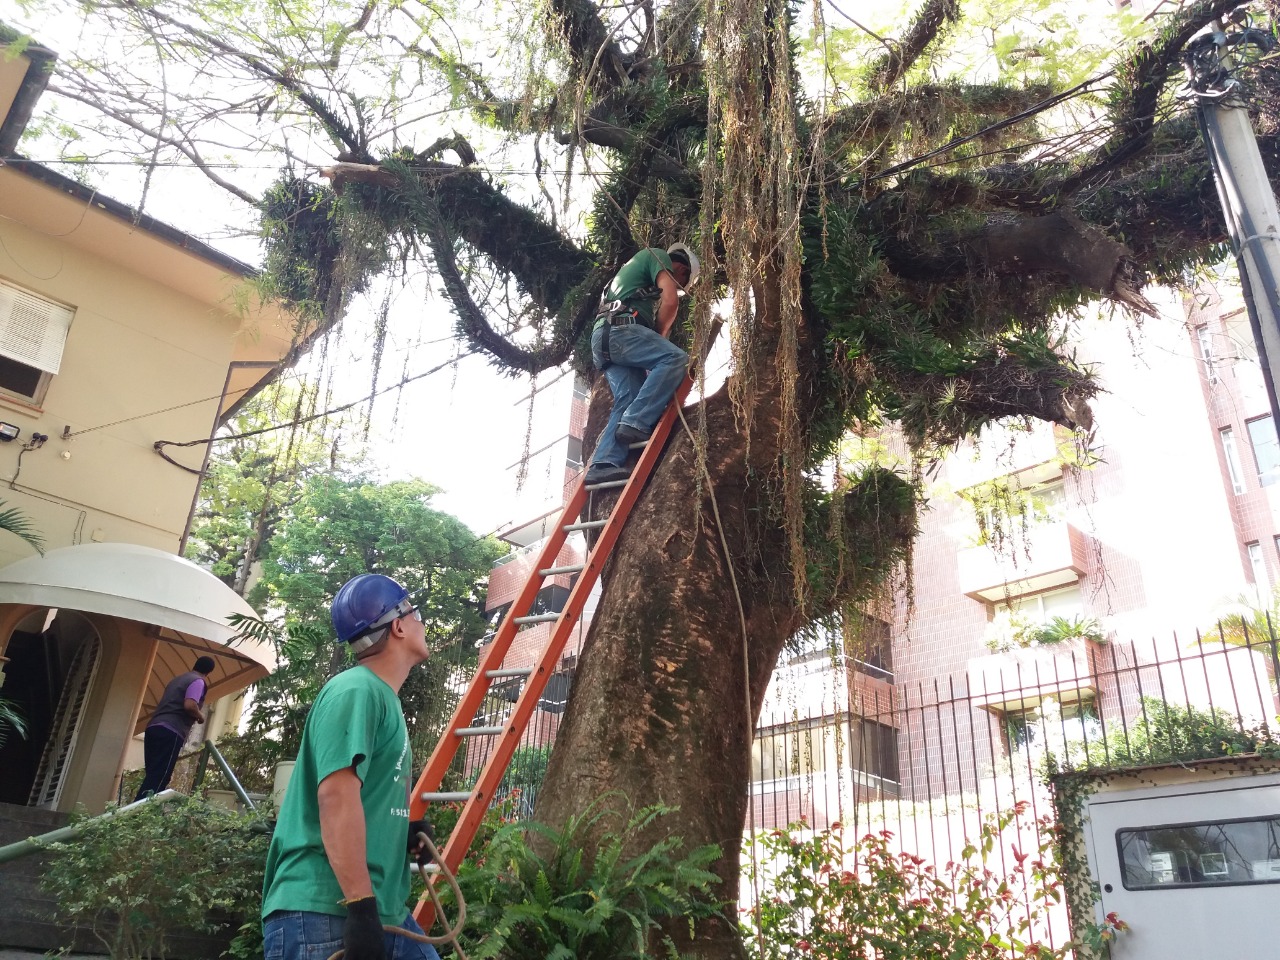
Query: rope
450, 936
746, 674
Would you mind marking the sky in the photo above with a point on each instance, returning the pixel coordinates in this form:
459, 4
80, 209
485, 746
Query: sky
463, 428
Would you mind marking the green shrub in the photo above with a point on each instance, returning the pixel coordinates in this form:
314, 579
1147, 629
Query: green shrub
136, 878
568, 906
1169, 733
833, 898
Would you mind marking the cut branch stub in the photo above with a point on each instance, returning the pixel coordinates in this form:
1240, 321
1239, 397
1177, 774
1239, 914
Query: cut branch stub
1062, 243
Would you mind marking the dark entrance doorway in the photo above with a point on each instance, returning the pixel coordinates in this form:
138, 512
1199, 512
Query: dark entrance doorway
49, 654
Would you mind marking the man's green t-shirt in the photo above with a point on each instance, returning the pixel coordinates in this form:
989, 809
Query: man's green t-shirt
639, 272
355, 722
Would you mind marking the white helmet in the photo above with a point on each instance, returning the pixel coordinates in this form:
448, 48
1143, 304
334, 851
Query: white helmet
694, 266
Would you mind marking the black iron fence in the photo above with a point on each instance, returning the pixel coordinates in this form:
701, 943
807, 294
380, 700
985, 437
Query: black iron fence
925, 762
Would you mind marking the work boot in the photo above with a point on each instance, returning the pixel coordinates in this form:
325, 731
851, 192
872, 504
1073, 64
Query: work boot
628, 434
606, 473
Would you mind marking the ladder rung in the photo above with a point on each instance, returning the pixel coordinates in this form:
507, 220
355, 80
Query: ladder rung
638, 445
429, 868
478, 731
585, 525
608, 484
556, 571
456, 797
538, 618
509, 672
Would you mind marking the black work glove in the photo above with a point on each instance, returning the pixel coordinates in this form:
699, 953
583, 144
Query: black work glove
362, 937
417, 849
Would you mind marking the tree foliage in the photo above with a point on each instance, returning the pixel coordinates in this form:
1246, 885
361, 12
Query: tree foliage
339, 528
901, 215
255, 473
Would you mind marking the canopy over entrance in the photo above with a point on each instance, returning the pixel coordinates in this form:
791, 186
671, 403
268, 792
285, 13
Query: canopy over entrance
185, 606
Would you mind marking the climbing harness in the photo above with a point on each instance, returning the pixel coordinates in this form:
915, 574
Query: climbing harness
614, 314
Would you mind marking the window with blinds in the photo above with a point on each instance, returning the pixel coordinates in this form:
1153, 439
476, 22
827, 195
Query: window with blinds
33, 333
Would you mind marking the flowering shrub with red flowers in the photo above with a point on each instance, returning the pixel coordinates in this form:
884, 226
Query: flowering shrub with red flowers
823, 896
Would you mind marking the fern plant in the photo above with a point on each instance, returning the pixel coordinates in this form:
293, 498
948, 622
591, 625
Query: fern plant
571, 905
11, 718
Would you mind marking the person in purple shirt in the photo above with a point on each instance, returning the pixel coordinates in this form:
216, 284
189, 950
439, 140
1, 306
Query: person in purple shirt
181, 705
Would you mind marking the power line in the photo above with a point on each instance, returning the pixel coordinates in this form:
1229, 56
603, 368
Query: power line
159, 445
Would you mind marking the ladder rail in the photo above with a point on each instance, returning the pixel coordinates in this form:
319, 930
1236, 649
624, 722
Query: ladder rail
469, 703
495, 767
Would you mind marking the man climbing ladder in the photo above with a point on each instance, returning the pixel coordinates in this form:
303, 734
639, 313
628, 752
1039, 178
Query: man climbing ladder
630, 345
649, 406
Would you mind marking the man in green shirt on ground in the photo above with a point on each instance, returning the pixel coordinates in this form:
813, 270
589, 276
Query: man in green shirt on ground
629, 344
338, 866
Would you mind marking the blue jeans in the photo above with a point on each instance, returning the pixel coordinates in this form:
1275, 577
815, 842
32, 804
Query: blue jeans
638, 400
299, 935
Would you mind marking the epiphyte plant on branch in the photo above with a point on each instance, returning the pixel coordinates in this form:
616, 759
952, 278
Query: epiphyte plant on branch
899, 213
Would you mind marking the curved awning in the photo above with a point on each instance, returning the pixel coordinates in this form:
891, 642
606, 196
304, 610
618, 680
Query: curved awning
186, 605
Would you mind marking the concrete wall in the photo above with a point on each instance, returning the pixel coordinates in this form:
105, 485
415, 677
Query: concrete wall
135, 347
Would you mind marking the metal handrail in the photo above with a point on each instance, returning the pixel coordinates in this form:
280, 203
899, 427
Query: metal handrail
225, 767
22, 848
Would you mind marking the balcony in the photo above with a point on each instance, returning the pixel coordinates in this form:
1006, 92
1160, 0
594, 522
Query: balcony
1049, 555
1020, 679
510, 573
1001, 451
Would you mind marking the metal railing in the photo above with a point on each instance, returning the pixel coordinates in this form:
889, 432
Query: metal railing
22, 848
208, 751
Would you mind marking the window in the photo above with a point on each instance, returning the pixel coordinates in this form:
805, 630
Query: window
1228, 438
790, 753
874, 749
871, 647
1257, 564
1266, 449
1043, 607
784, 753
33, 333
1216, 853
574, 455
1052, 723
1206, 352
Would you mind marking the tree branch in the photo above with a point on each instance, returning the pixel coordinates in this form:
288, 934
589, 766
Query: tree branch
340, 131
480, 333
514, 238
588, 40
928, 25
1015, 245
1137, 90
940, 409
930, 107
185, 147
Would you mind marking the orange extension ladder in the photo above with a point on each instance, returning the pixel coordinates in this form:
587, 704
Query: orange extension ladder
476, 801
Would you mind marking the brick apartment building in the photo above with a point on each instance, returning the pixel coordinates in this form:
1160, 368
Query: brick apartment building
1167, 522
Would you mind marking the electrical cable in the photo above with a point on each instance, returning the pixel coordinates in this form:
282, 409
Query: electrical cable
297, 421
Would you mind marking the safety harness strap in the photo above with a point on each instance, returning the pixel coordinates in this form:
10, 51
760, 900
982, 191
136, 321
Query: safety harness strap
613, 313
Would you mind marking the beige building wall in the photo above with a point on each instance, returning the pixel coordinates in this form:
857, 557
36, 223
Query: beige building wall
135, 348
166, 335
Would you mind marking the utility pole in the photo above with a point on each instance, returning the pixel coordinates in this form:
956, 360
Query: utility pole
1248, 202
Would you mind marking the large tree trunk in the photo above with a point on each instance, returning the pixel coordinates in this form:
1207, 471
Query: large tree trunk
665, 700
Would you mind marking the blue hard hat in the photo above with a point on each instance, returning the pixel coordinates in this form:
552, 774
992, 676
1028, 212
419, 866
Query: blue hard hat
363, 603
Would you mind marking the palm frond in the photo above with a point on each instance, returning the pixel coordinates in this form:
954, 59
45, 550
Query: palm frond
19, 524
11, 718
